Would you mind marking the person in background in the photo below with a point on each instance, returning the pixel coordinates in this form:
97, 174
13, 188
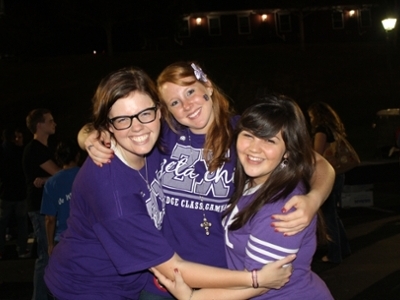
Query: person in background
38, 166
13, 191
275, 162
114, 229
198, 185
326, 126
57, 192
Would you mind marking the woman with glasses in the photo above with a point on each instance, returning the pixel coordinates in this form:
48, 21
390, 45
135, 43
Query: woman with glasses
116, 211
198, 167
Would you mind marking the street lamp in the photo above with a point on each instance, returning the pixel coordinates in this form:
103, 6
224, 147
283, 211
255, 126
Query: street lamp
389, 23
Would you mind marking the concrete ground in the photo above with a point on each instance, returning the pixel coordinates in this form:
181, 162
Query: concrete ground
371, 272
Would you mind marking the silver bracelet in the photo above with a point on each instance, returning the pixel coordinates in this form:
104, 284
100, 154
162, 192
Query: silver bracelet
191, 294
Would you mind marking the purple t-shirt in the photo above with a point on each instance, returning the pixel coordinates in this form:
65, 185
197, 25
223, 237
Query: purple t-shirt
188, 187
111, 240
257, 244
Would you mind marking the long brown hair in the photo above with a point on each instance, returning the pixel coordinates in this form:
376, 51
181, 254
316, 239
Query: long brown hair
274, 113
220, 135
324, 115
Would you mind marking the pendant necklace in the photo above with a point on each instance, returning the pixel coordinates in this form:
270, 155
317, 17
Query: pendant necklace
121, 156
156, 214
205, 224
147, 174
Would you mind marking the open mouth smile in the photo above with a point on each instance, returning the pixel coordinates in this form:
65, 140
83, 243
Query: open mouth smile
141, 138
195, 114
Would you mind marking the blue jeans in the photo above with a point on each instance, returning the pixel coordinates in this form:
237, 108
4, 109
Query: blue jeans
39, 286
339, 246
19, 208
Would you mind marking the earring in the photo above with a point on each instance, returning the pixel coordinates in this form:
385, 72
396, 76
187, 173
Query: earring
205, 96
284, 163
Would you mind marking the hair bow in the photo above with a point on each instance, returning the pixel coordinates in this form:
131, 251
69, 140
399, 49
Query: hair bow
198, 72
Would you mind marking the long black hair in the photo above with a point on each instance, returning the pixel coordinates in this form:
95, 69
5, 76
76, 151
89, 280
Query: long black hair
265, 119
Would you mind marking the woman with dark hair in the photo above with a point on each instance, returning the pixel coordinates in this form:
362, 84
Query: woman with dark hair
327, 128
275, 162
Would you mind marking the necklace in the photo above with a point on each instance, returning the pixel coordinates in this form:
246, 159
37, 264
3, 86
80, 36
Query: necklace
121, 156
153, 209
147, 174
205, 224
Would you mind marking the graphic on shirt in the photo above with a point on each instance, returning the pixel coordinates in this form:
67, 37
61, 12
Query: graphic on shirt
226, 222
65, 199
154, 210
183, 184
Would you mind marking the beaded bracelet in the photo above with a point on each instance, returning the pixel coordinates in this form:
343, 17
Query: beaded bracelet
254, 277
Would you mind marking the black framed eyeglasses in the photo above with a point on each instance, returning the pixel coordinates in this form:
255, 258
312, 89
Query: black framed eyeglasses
147, 115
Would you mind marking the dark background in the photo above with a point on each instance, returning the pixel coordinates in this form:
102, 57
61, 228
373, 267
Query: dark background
47, 60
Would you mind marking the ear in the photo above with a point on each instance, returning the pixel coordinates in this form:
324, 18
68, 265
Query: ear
159, 114
110, 128
210, 90
209, 87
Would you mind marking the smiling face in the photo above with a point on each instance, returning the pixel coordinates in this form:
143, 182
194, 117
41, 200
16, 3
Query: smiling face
259, 157
139, 139
188, 104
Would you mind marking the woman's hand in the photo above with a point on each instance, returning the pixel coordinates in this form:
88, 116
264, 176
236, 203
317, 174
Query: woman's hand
305, 209
99, 148
177, 287
276, 274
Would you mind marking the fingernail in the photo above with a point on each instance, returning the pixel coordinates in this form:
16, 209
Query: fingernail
176, 270
272, 217
283, 210
285, 234
272, 225
276, 230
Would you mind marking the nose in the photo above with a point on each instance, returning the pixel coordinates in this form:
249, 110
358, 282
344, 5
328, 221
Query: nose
136, 125
187, 104
254, 146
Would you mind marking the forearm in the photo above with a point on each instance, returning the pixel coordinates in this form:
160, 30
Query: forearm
50, 223
202, 276
321, 181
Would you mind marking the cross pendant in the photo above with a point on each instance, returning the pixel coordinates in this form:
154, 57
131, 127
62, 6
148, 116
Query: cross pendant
206, 225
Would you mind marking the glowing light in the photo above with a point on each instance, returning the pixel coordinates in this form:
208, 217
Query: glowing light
264, 17
198, 21
389, 23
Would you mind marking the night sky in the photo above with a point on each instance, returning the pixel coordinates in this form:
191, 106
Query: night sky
47, 28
